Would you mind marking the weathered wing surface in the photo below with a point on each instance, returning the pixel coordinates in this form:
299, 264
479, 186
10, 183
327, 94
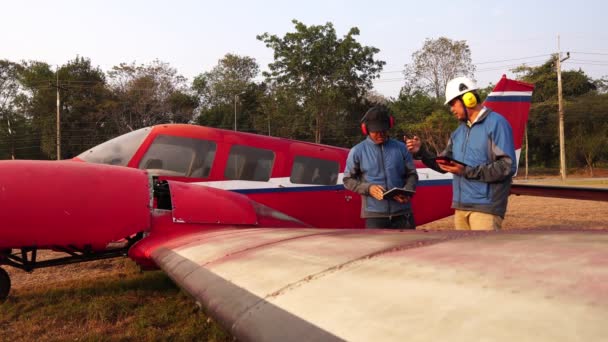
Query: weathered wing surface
362, 285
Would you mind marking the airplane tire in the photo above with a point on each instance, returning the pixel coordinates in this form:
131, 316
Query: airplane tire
5, 285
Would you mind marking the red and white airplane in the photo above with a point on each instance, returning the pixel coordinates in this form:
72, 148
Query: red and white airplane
261, 231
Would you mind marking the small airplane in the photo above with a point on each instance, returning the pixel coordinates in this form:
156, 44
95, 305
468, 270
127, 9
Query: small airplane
261, 232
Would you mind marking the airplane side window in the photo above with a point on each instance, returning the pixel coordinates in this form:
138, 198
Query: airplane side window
307, 170
179, 156
249, 163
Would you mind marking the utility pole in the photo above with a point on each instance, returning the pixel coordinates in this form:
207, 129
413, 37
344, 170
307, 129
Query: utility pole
562, 148
235, 98
10, 132
527, 148
58, 119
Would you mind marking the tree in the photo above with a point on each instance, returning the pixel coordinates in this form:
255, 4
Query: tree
39, 105
10, 90
230, 77
544, 77
602, 85
438, 61
230, 80
324, 72
583, 113
435, 130
587, 121
83, 94
146, 95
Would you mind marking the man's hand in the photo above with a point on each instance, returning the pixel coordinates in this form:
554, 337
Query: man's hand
451, 167
401, 198
376, 191
413, 145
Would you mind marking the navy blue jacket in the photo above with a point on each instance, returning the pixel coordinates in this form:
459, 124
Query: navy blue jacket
388, 164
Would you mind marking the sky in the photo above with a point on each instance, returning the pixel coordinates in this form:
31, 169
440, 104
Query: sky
193, 35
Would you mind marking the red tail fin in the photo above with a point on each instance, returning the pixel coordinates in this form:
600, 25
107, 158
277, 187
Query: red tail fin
512, 99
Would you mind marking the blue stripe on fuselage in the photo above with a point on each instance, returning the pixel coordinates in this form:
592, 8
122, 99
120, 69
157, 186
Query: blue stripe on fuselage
435, 182
509, 98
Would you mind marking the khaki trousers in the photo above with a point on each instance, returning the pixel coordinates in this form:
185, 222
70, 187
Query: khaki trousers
475, 220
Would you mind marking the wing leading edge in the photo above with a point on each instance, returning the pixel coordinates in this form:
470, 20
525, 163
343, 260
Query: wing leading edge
571, 192
311, 284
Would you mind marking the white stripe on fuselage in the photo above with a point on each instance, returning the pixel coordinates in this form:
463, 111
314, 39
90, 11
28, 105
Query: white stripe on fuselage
424, 174
510, 93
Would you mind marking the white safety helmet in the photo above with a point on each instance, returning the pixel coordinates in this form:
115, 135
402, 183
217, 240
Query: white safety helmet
458, 86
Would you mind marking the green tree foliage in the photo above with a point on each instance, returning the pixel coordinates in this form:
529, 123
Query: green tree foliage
82, 95
585, 114
10, 125
146, 95
324, 72
418, 113
39, 106
544, 77
438, 61
229, 83
231, 76
587, 121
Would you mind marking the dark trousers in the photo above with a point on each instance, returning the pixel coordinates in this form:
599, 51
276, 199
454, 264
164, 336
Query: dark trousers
405, 221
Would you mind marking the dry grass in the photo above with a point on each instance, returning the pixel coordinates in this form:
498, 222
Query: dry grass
525, 212
103, 300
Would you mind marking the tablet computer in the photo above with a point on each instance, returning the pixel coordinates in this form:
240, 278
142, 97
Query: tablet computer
449, 160
397, 191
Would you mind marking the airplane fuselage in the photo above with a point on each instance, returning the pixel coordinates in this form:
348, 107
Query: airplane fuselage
300, 179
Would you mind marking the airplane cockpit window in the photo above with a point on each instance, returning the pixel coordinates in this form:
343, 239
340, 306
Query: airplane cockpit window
178, 156
307, 170
249, 163
117, 151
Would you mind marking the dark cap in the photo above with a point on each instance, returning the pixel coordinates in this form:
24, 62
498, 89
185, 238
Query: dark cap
377, 119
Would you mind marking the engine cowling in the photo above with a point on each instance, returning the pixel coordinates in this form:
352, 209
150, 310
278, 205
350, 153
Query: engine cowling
66, 203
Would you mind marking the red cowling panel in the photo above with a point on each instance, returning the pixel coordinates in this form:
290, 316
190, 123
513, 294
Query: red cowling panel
46, 203
194, 203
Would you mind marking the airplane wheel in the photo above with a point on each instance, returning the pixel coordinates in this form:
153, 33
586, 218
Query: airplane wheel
5, 285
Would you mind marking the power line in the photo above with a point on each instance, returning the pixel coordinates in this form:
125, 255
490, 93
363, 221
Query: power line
513, 59
591, 53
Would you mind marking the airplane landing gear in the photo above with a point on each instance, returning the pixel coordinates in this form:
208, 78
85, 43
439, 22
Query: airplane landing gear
5, 285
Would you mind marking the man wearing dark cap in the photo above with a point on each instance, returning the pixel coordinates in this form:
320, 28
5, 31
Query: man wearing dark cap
377, 164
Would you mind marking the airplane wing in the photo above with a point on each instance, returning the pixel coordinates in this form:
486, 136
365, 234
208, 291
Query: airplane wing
571, 192
366, 285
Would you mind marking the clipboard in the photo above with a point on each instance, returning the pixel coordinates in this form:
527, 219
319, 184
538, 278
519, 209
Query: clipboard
450, 160
397, 191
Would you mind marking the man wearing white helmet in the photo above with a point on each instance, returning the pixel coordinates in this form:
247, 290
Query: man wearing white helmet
483, 142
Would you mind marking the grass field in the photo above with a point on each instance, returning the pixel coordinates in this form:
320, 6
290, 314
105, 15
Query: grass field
114, 301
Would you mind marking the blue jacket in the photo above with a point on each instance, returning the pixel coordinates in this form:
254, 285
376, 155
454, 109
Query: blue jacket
389, 165
487, 148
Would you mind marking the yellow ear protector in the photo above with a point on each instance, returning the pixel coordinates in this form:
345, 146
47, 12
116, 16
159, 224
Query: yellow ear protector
469, 99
